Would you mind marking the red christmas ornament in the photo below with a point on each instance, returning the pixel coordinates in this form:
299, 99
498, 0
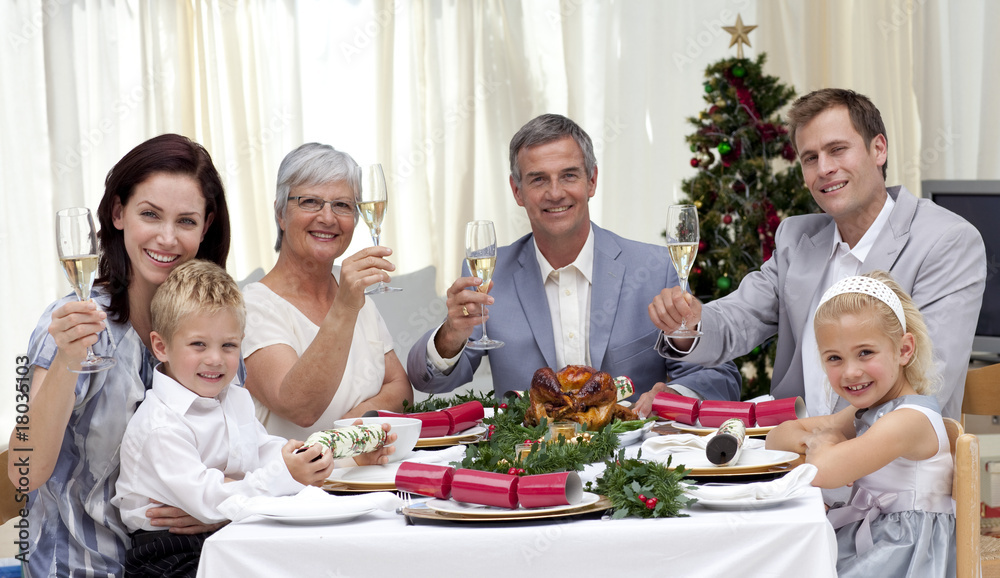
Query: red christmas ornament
702, 246
694, 162
727, 219
788, 153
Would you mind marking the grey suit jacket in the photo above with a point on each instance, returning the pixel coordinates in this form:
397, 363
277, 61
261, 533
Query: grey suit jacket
626, 276
934, 255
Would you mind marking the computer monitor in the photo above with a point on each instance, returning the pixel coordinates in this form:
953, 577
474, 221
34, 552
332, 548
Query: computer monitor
978, 202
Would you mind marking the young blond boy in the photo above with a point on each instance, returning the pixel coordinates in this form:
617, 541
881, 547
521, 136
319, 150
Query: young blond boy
194, 441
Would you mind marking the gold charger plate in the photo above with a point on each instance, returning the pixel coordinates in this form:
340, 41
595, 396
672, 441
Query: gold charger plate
704, 431
421, 511
471, 434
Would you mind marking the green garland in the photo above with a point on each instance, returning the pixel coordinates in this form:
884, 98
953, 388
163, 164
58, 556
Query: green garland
630, 484
433, 403
642, 489
497, 454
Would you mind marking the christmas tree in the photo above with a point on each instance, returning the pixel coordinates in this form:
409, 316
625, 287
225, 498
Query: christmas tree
747, 181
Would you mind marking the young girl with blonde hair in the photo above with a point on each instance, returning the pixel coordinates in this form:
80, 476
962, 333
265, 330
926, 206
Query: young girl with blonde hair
890, 443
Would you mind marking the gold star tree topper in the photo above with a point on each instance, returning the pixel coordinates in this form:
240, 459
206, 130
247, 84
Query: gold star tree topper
739, 33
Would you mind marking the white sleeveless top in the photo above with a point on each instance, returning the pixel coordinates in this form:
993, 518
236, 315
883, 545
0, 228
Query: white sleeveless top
272, 320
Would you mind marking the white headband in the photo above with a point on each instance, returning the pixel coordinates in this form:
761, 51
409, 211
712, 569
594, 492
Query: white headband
868, 286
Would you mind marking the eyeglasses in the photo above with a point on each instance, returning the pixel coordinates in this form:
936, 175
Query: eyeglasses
315, 205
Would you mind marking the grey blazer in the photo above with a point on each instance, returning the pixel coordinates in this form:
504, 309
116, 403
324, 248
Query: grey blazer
934, 255
627, 274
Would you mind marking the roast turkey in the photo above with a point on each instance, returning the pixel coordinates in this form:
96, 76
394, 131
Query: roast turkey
576, 393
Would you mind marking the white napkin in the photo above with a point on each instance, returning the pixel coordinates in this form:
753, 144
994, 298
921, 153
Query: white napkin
668, 444
310, 502
792, 484
443, 457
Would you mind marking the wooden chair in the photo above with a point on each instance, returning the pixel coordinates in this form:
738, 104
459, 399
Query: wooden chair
965, 491
982, 398
9, 507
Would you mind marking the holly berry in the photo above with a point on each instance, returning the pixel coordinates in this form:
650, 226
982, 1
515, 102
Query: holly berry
642, 498
520, 471
512, 471
503, 406
651, 503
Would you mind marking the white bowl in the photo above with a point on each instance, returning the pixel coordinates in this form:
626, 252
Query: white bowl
407, 430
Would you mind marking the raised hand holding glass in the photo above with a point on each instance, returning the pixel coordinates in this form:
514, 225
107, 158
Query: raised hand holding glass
76, 239
682, 242
481, 254
372, 200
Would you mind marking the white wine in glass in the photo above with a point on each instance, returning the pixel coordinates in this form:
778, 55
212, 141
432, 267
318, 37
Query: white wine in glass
481, 254
76, 239
682, 242
372, 200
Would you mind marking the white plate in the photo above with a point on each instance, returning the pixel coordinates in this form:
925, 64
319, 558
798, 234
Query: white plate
750, 460
453, 507
704, 431
472, 432
746, 503
362, 476
630, 437
318, 518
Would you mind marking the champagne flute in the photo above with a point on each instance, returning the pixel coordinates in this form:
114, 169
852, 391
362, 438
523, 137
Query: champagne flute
372, 200
481, 254
76, 238
682, 242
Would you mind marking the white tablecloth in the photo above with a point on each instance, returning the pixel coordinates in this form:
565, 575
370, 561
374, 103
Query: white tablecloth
793, 539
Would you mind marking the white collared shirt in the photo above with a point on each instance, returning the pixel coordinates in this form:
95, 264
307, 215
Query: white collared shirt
568, 292
843, 262
180, 447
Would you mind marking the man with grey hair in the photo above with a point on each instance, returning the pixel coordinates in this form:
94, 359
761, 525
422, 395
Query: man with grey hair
568, 293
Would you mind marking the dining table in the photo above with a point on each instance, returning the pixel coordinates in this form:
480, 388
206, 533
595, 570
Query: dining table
791, 538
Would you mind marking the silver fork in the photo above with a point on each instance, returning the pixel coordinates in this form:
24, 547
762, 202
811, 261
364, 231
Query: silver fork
407, 498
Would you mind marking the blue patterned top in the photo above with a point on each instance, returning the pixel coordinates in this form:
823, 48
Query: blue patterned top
74, 530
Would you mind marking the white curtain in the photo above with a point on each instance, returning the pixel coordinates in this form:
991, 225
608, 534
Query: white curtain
87, 80
926, 65
460, 78
435, 89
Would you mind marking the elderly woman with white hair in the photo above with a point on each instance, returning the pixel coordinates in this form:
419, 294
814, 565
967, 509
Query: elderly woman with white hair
316, 349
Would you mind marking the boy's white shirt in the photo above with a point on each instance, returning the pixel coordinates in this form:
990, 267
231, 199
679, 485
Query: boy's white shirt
179, 447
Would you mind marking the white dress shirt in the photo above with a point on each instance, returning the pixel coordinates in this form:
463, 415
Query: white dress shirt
844, 262
568, 292
179, 448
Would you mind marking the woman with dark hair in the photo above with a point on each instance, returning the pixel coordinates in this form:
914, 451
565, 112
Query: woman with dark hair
163, 205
